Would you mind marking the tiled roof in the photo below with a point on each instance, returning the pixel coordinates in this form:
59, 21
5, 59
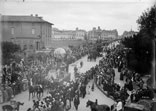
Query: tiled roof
26, 38
6, 18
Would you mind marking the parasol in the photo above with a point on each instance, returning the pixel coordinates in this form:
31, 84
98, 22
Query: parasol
59, 53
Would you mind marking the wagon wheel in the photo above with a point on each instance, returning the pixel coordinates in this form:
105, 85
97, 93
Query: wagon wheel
146, 104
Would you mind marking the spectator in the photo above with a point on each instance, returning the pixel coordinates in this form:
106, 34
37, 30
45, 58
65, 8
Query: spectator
119, 105
76, 102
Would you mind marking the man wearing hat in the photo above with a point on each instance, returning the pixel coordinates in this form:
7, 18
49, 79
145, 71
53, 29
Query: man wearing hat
76, 102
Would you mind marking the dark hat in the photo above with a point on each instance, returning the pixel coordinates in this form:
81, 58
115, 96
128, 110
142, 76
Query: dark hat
118, 100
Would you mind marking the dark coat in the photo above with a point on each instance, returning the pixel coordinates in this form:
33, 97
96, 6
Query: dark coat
76, 101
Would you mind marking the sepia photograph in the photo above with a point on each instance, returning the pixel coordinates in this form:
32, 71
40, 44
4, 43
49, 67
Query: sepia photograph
77, 55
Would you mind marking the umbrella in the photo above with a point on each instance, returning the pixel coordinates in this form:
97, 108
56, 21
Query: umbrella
68, 50
59, 53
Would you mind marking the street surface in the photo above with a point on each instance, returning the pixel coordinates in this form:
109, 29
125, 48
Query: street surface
96, 94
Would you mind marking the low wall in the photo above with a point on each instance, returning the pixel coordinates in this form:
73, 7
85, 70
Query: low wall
104, 92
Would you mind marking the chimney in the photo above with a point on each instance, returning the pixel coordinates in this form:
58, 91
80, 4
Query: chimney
94, 28
31, 15
77, 28
36, 15
99, 28
40, 17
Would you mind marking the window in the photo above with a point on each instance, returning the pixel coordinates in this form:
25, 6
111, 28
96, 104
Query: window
24, 47
12, 30
31, 46
33, 31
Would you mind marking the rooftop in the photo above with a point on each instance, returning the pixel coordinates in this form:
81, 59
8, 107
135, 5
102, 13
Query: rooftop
15, 18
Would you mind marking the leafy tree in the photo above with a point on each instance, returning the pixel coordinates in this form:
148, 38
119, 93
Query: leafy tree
9, 52
147, 23
140, 56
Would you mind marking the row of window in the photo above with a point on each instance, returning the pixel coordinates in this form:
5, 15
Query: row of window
30, 46
13, 31
33, 31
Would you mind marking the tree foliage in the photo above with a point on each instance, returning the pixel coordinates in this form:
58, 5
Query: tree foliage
9, 52
147, 22
140, 56
140, 53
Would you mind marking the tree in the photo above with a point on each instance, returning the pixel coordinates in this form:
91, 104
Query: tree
9, 52
147, 23
140, 56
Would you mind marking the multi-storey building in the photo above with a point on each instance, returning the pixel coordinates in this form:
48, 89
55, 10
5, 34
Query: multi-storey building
80, 34
63, 34
128, 33
30, 32
95, 34
109, 34
68, 34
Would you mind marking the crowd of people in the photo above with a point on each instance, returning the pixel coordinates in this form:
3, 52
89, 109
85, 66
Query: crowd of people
17, 75
134, 88
60, 96
12, 80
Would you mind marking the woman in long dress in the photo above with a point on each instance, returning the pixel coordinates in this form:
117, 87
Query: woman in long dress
76, 102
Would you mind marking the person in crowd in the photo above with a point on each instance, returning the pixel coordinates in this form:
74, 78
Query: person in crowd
36, 105
29, 109
92, 87
76, 102
96, 101
119, 105
89, 90
81, 64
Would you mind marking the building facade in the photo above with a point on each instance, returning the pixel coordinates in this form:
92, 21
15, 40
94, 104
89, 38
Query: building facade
128, 33
30, 32
109, 34
80, 34
94, 34
98, 33
68, 34
62, 34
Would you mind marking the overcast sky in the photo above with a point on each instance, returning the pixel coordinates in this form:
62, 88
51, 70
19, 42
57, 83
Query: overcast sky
84, 14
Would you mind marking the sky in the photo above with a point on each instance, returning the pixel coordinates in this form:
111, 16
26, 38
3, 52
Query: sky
84, 14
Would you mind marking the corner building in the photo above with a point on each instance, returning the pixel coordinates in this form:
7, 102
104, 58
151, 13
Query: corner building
30, 32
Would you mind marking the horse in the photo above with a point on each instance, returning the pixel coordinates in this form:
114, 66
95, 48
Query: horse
39, 90
31, 91
95, 107
35, 89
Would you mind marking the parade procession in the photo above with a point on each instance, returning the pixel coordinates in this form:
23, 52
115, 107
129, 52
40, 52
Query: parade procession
44, 68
